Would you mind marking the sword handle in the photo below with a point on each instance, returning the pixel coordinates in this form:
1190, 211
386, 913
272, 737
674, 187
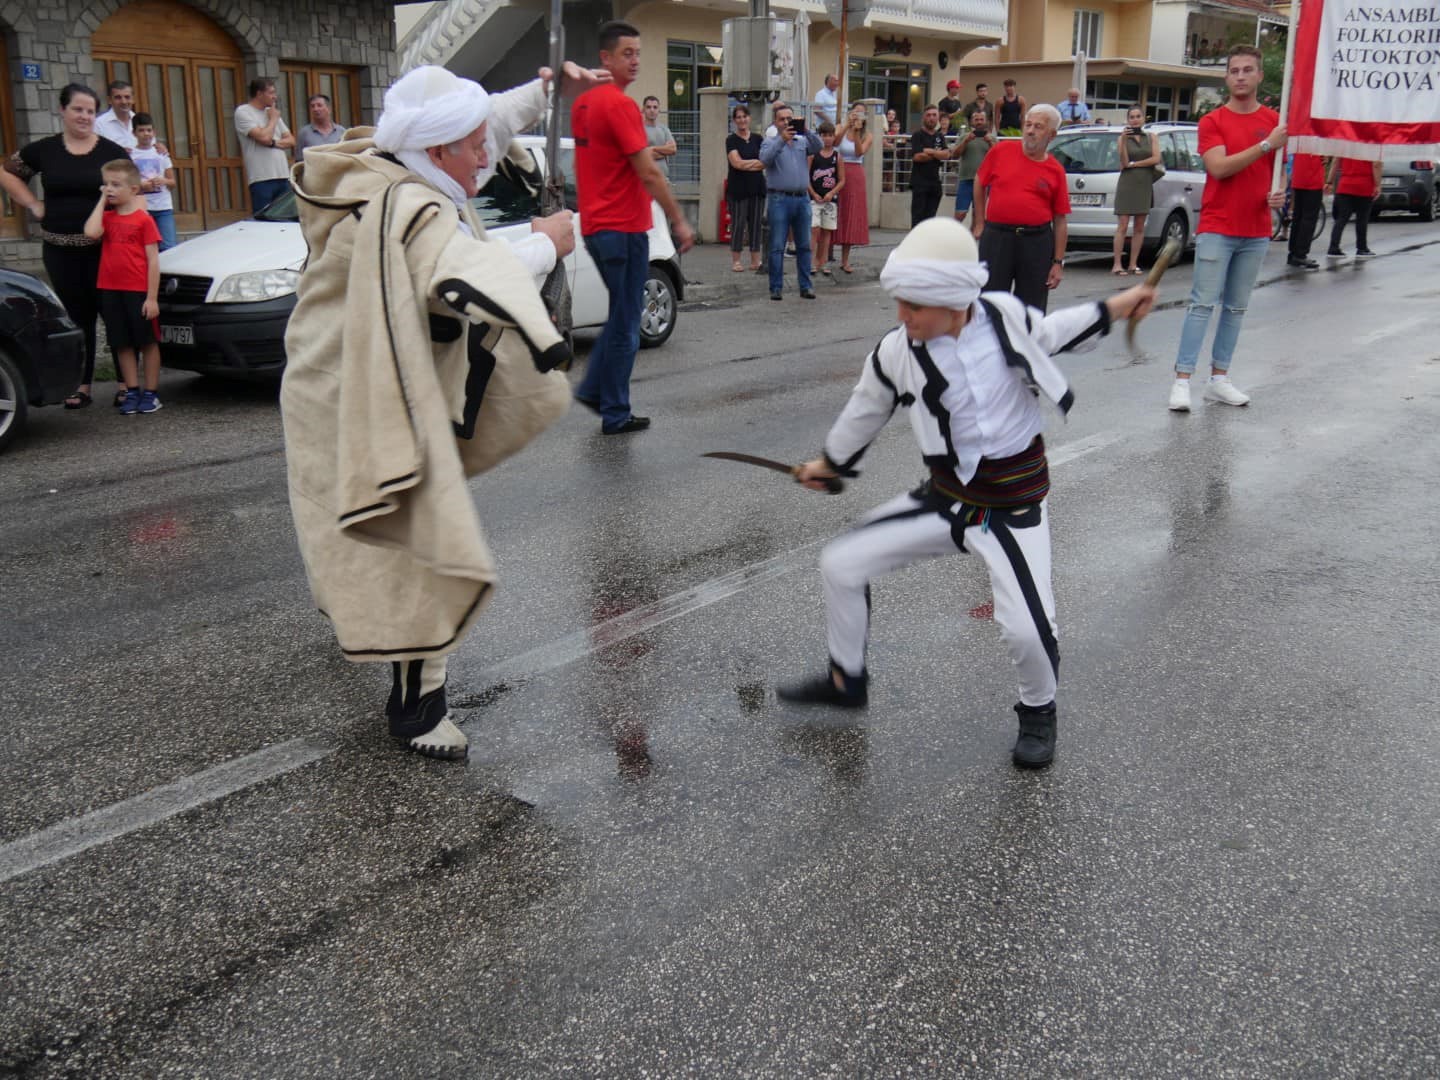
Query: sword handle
833, 484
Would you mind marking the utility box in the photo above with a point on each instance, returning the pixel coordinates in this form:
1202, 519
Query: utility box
758, 55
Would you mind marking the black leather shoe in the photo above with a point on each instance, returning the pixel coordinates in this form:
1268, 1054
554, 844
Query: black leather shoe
775, 295
589, 403
1035, 747
635, 423
807, 294
822, 690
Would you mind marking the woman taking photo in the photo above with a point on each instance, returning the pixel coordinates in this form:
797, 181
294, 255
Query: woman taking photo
1139, 154
744, 189
68, 165
853, 228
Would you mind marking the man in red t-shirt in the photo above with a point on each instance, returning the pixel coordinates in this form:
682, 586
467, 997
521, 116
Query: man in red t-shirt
1307, 181
1354, 183
1236, 141
615, 177
129, 281
1021, 203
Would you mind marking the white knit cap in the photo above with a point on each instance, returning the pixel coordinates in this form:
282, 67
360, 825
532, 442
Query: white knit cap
936, 265
430, 106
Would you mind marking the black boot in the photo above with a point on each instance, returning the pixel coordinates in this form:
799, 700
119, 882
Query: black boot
822, 690
1036, 744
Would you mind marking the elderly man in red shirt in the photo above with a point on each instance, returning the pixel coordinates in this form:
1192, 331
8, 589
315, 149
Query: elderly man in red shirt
1021, 203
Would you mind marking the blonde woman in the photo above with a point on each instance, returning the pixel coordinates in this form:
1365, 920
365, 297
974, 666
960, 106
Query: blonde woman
853, 228
1139, 153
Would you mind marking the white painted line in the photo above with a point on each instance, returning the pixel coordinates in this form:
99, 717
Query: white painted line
79, 834
156, 805
1393, 329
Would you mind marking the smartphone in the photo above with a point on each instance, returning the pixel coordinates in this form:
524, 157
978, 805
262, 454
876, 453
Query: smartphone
797, 125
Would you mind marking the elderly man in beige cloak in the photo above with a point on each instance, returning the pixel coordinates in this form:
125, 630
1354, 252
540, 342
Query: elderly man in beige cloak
419, 354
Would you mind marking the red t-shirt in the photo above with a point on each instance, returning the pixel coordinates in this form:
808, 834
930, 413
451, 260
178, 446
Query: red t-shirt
123, 265
1307, 173
1356, 178
1021, 191
608, 129
1236, 206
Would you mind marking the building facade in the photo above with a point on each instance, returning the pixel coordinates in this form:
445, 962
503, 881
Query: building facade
190, 63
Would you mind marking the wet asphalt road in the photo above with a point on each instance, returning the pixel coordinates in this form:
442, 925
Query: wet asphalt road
648, 865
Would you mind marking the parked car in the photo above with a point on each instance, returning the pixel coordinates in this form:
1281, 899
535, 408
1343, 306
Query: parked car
1090, 157
226, 297
42, 353
1409, 185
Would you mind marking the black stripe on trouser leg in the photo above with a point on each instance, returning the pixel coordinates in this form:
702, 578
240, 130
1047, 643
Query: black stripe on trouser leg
1026, 581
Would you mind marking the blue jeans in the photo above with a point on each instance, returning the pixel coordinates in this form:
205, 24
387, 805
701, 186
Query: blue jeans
964, 196
264, 192
165, 222
788, 213
1225, 271
623, 260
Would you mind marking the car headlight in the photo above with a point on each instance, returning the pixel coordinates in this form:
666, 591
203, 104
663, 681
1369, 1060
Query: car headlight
256, 285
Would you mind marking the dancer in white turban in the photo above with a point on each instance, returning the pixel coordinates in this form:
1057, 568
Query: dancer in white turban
970, 368
419, 354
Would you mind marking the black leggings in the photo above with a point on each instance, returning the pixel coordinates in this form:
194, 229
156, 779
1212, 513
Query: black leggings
1344, 207
73, 272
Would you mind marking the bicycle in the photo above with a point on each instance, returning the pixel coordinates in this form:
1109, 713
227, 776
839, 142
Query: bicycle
1280, 220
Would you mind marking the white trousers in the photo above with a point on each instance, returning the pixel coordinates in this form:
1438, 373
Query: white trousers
1016, 550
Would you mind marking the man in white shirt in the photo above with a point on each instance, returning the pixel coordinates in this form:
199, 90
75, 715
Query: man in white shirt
116, 122
264, 142
826, 100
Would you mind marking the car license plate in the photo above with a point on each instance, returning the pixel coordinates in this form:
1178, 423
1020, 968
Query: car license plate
177, 335
1087, 199
1390, 181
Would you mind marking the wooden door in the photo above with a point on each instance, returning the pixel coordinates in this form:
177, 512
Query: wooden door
187, 75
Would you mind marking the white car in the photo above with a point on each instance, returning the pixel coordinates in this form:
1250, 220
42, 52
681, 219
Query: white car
226, 296
1090, 157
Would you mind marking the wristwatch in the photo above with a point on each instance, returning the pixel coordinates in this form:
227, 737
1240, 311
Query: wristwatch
1264, 146
1058, 262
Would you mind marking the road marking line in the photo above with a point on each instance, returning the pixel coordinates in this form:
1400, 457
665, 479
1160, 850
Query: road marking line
71, 837
154, 806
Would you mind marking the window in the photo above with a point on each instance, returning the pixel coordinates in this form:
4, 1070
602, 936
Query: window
1107, 96
1087, 153
1157, 103
1087, 34
340, 84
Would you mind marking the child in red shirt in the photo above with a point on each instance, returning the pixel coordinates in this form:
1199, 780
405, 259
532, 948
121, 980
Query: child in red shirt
129, 281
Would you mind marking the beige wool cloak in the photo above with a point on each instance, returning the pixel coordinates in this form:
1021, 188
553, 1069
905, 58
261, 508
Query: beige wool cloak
418, 356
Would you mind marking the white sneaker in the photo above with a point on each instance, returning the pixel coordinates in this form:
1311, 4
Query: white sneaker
1180, 396
1224, 390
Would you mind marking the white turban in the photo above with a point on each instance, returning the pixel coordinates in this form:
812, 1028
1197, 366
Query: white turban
427, 107
936, 265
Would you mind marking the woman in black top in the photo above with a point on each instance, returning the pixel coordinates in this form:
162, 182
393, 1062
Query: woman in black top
744, 189
68, 165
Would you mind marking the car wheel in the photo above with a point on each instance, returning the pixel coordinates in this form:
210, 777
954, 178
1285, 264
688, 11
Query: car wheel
1176, 228
13, 405
657, 317
1427, 212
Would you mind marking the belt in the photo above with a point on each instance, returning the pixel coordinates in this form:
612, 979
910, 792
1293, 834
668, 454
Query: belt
1019, 230
777, 191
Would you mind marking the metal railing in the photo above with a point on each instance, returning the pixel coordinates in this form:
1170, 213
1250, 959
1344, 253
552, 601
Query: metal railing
895, 164
684, 125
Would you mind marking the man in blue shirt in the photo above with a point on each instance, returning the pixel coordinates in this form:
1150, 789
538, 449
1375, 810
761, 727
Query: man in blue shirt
786, 156
1072, 109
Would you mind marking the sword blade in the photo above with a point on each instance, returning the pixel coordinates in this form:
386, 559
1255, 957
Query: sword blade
833, 485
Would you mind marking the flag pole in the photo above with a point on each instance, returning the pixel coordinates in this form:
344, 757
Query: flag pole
1277, 180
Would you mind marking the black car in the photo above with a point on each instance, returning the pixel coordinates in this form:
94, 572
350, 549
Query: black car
1409, 185
42, 353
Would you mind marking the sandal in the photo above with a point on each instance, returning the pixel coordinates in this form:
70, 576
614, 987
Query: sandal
848, 269
78, 400
1118, 271
1136, 271
120, 396
736, 268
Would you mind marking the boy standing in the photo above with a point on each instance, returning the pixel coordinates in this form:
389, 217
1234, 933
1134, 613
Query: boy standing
129, 281
157, 177
970, 368
826, 180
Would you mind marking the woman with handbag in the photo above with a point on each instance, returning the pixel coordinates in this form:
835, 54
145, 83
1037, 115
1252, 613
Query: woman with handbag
1139, 168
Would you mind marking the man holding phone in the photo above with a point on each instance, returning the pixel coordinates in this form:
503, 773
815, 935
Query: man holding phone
786, 156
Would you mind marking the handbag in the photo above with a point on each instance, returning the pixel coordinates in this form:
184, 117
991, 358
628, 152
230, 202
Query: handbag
1156, 171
